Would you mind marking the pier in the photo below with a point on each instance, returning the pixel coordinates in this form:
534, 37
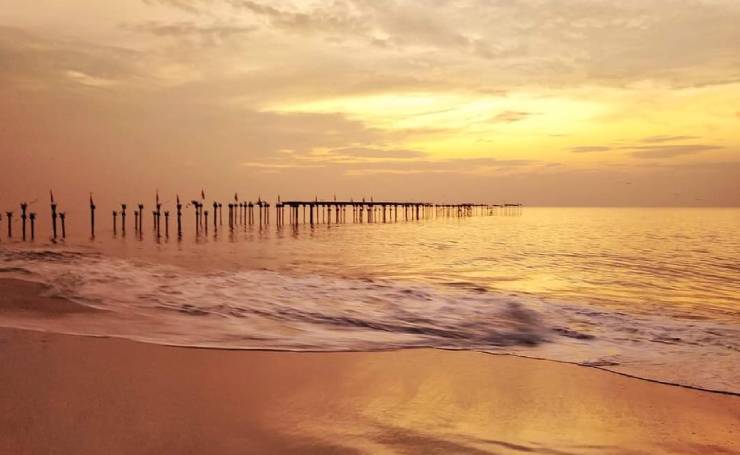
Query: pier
364, 212
247, 214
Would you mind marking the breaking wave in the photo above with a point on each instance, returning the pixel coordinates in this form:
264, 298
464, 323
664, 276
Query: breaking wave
267, 309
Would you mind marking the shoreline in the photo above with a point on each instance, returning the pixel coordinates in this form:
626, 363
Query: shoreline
24, 299
81, 394
413, 348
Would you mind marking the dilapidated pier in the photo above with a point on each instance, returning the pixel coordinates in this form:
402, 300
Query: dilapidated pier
242, 214
359, 212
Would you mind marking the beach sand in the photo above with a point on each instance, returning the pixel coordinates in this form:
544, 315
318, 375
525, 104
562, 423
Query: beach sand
66, 394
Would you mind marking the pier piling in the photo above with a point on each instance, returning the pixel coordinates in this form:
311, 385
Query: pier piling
179, 217
32, 217
92, 217
167, 223
62, 218
141, 219
53, 216
24, 207
123, 219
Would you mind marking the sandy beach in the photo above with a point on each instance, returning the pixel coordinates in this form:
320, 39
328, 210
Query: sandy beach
67, 394
484, 227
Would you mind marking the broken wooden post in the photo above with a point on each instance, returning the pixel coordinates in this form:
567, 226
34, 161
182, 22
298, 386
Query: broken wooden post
32, 217
115, 215
123, 219
155, 216
197, 217
179, 217
24, 206
92, 217
215, 211
167, 223
141, 219
53, 216
158, 215
62, 217
9, 216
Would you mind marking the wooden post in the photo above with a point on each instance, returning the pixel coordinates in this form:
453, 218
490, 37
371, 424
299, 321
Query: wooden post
141, 219
92, 217
53, 218
62, 217
179, 218
32, 217
197, 218
115, 215
123, 219
215, 211
9, 216
24, 206
159, 215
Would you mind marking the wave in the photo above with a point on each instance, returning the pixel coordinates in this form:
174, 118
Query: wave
268, 309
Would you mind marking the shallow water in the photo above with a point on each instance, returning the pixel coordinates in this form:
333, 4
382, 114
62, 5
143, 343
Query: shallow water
650, 292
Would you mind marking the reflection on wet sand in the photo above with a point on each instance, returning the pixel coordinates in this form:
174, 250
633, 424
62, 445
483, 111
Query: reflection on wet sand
74, 394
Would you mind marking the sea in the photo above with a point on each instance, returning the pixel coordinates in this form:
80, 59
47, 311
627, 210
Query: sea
652, 293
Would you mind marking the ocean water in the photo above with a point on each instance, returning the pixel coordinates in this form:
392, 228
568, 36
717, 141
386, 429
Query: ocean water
649, 292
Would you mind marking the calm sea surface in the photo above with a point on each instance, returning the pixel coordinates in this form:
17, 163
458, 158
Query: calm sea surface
653, 293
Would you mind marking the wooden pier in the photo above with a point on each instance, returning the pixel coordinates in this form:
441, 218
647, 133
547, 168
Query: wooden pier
245, 214
364, 212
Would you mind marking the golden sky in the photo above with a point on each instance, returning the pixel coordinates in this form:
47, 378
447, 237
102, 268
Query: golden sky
582, 102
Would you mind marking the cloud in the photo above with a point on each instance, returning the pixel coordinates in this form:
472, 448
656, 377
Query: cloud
190, 6
550, 44
328, 18
90, 81
510, 116
211, 33
665, 138
590, 148
364, 152
460, 166
669, 151
349, 161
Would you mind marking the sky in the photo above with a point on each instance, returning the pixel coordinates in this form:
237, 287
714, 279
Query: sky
579, 102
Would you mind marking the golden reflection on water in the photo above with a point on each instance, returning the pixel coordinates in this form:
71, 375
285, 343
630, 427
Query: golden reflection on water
635, 257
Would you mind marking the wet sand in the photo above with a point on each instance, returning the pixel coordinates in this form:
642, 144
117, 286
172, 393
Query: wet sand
27, 298
67, 394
